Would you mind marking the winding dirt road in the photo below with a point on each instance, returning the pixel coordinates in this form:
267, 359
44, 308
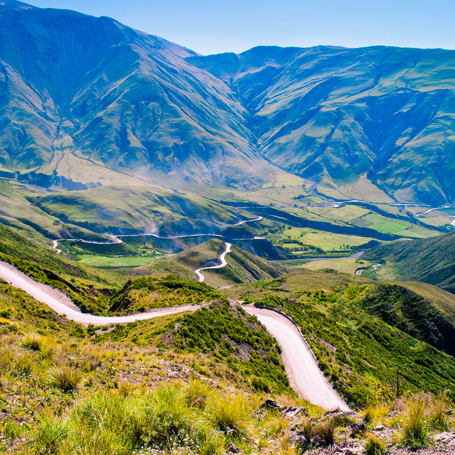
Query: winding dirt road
62, 305
223, 263
301, 366
116, 239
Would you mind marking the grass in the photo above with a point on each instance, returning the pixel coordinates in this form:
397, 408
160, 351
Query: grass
325, 241
374, 446
135, 209
230, 335
242, 265
142, 293
187, 384
344, 265
414, 429
68, 389
87, 287
66, 378
114, 261
428, 260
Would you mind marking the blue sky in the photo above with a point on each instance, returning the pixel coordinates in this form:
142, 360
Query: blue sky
237, 25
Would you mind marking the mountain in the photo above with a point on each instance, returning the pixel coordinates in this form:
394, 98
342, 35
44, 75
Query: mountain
429, 260
87, 101
82, 94
335, 114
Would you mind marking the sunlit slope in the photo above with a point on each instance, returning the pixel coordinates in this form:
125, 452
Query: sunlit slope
83, 96
129, 210
337, 114
114, 104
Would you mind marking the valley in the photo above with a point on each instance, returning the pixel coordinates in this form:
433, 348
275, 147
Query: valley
216, 254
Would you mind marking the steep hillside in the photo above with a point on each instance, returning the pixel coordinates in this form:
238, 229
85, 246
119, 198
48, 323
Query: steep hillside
362, 332
127, 210
429, 260
73, 105
90, 288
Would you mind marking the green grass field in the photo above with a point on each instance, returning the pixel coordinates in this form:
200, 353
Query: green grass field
326, 241
344, 265
115, 261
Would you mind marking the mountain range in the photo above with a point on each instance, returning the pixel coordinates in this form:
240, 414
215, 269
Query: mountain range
87, 101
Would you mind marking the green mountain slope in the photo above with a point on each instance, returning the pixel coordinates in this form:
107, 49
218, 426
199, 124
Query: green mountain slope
336, 114
362, 332
138, 210
379, 119
67, 118
430, 260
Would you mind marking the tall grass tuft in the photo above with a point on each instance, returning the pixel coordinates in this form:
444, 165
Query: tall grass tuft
196, 394
111, 423
49, 433
66, 378
414, 426
229, 413
438, 417
325, 430
374, 445
33, 342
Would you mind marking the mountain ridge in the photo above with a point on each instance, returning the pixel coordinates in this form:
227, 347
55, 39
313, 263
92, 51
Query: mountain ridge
112, 99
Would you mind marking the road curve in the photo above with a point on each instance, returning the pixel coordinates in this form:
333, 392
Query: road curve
303, 371
62, 305
222, 263
116, 239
